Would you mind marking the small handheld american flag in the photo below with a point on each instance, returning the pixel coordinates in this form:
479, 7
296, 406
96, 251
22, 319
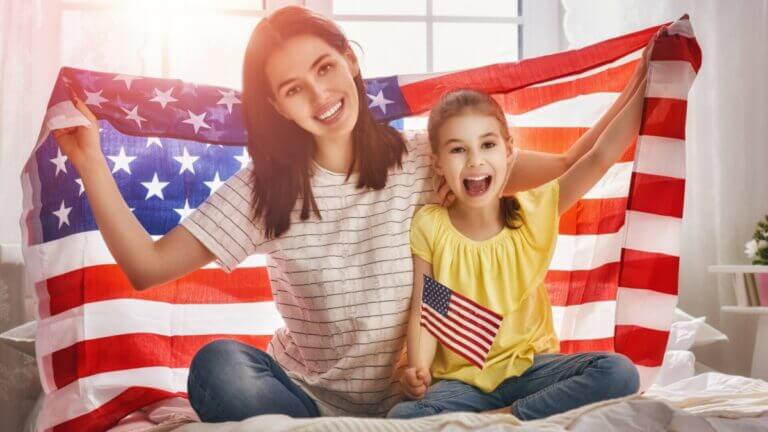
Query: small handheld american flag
457, 322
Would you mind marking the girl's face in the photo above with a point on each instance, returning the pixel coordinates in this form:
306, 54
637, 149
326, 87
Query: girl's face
472, 156
312, 84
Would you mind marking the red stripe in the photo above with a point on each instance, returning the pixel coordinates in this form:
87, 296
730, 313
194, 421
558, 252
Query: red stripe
479, 307
474, 347
107, 415
570, 288
458, 318
529, 98
656, 194
457, 327
677, 47
664, 117
447, 341
500, 78
205, 286
643, 346
135, 350
586, 345
594, 216
648, 270
469, 316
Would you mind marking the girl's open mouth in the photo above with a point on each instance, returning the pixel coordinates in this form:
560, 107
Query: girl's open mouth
476, 186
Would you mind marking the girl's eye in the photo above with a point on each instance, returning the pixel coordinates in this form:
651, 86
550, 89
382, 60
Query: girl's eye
292, 91
489, 144
325, 68
456, 150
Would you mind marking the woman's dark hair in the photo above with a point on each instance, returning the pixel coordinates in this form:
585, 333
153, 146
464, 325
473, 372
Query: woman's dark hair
281, 150
460, 102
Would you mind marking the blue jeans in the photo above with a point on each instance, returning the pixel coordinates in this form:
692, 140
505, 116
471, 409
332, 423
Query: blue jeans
231, 381
554, 383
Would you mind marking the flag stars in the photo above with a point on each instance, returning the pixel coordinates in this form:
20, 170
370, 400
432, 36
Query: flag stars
163, 98
214, 184
59, 161
186, 161
228, 99
82, 188
196, 120
63, 214
155, 188
154, 141
184, 212
94, 98
134, 115
244, 158
121, 161
379, 101
128, 79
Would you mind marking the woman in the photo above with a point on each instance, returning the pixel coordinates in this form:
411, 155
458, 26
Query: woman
329, 197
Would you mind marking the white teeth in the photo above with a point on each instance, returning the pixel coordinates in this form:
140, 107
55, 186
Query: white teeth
331, 111
477, 178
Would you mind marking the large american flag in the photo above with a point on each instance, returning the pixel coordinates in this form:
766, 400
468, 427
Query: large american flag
105, 350
457, 322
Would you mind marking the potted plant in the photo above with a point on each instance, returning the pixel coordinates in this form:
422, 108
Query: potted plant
757, 251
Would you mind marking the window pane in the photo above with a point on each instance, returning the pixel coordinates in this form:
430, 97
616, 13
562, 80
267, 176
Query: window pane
389, 7
209, 49
388, 52
486, 8
109, 41
465, 45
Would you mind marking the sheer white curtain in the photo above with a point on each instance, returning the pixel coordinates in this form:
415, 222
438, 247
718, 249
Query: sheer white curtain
727, 145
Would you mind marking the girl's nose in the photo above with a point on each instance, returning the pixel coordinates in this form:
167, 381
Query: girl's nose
474, 159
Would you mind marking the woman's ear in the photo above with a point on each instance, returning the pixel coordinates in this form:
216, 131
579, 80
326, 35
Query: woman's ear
351, 58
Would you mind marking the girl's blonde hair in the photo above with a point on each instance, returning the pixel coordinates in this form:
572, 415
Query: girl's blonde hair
460, 102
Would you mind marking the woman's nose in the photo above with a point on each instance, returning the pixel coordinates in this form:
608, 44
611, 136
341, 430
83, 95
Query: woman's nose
316, 92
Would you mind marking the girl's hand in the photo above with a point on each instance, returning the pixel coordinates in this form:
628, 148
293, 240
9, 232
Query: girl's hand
415, 381
80, 144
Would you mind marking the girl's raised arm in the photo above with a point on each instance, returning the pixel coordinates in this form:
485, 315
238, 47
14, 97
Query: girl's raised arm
144, 261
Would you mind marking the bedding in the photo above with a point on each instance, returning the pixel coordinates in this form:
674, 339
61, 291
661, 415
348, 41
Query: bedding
105, 351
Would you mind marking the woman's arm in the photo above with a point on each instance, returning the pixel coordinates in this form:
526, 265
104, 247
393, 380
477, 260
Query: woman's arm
536, 168
609, 147
144, 261
421, 344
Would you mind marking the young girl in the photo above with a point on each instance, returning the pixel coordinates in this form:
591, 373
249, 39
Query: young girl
329, 198
495, 252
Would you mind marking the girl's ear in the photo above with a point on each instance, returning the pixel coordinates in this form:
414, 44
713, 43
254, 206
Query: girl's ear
436, 165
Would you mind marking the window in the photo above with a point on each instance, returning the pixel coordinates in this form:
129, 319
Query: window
204, 40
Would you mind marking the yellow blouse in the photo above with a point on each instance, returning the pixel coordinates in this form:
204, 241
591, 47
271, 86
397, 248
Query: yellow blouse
505, 274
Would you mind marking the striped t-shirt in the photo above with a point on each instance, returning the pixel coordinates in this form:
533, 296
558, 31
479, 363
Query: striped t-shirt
342, 284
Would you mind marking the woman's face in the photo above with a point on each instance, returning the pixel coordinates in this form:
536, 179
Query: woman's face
312, 84
472, 156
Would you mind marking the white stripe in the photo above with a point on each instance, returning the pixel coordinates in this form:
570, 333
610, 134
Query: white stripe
126, 316
478, 310
670, 79
634, 55
438, 319
648, 375
653, 233
485, 330
660, 156
87, 394
448, 343
474, 342
587, 251
53, 258
404, 80
614, 183
586, 321
579, 111
645, 308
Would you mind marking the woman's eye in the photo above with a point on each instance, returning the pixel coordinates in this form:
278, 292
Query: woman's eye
292, 91
489, 144
325, 68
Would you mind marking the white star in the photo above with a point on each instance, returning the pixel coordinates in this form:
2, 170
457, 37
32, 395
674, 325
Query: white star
163, 97
82, 188
228, 99
121, 161
127, 78
243, 158
215, 183
94, 98
154, 140
154, 188
196, 120
59, 162
63, 214
186, 161
134, 115
184, 212
379, 101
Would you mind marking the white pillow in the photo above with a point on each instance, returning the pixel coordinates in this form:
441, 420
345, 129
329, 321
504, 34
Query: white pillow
21, 338
685, 327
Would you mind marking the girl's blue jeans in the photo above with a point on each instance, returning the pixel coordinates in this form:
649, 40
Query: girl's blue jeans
554, 383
